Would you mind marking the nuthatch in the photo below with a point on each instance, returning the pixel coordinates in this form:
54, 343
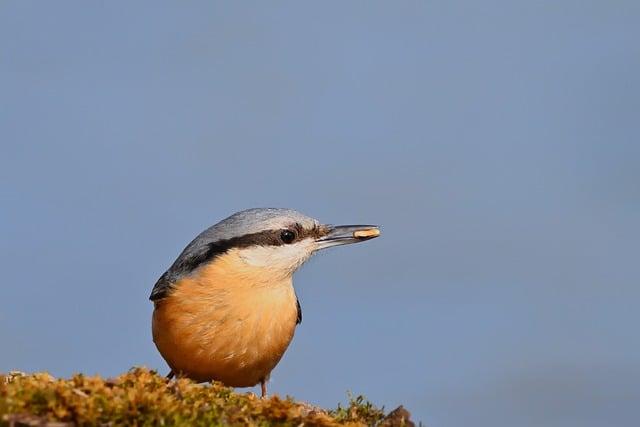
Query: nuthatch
226, 309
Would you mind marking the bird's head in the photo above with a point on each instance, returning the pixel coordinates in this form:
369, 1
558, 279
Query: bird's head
277, 240
283, 239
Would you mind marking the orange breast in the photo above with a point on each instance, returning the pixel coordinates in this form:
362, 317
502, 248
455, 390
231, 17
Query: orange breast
228, 321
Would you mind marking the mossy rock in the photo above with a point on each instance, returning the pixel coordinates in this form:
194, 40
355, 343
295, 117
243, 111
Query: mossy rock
143, 398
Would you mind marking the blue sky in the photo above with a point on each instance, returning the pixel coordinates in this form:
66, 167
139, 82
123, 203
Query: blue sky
496, 142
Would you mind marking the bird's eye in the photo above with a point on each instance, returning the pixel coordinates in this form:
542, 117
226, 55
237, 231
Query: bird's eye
287, 236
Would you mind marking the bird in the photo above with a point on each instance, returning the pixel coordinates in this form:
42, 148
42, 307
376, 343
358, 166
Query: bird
226, 309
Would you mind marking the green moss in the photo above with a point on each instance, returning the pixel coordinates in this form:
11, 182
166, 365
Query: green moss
358, 410
143, 398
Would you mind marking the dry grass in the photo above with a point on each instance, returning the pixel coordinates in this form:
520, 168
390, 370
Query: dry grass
143, 398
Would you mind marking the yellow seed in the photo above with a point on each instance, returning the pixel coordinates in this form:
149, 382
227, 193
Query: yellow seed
370, 232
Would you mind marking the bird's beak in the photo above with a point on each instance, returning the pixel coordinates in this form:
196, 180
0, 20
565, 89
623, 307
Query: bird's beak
345, 234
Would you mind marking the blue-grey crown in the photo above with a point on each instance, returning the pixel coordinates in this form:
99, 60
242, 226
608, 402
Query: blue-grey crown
254, 221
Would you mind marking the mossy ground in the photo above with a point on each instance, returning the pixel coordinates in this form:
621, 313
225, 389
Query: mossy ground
143, 398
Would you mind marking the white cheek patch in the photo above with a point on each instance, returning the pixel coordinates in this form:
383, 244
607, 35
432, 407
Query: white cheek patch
285, 257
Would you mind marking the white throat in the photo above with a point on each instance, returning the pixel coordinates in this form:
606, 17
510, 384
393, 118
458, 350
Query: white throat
285, 258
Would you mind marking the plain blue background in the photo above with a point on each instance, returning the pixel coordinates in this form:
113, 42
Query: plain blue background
496, 142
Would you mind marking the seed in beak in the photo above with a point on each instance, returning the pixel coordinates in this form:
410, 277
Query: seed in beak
361, 234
